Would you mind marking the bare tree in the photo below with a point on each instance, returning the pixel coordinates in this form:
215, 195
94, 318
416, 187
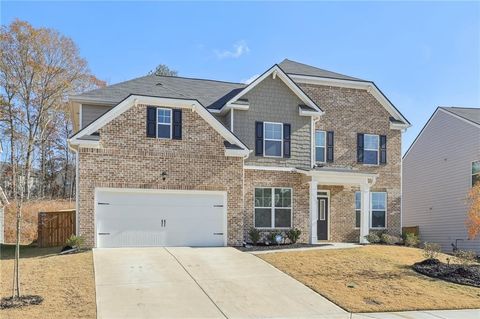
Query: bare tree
38, 68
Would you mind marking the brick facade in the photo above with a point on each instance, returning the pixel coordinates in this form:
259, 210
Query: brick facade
300, 201
348, 112
128, 159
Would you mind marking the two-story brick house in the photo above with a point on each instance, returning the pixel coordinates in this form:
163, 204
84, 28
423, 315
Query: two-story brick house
171, 161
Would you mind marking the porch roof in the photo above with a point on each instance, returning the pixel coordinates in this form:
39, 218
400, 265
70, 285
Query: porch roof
341, 176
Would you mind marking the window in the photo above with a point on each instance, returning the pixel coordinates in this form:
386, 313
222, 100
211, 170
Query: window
378, 209
320, 148
370, 149
273, 141
475, 172
273, 207
358, 208
164, 123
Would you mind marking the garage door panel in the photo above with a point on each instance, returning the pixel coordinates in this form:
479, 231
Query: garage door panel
130, 219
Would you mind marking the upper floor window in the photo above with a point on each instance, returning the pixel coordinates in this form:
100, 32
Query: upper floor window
378, 209
273, 207
370, 149
320, 146
273, 141
475, 172
164, 123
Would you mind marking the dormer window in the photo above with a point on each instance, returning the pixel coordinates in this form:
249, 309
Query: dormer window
164, 123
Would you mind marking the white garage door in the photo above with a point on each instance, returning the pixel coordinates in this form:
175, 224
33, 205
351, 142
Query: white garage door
160, 218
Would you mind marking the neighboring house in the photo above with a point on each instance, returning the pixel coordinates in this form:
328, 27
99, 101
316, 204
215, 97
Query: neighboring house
179, 161
439, 168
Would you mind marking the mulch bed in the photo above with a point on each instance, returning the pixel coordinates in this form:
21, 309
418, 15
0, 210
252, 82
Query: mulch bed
461, 274
261, 247
22, 301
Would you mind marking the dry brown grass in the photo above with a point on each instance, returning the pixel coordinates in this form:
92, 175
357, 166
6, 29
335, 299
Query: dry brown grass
65, 282
29, 223
381, 277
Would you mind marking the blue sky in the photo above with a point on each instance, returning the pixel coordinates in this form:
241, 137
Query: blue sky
420, 54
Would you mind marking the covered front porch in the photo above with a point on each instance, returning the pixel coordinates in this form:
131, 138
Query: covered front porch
322, 184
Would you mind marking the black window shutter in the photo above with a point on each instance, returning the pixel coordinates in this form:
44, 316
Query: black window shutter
259, 138
359, 147
177, 125
286, 140
383, 149
330, 143
151, 121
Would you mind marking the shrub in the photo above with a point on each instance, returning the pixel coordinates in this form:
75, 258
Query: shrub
389, 239
254, 235
372, 238
431, 250
293, 235
465, 257
75, 241
411, 240
272, 237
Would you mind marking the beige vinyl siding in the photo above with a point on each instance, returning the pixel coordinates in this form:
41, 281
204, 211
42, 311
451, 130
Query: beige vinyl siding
91, 112
437, 178
273, 101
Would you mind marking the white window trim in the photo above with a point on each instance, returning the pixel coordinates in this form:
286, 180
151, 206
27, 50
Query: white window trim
355, 210
270, 139
324, 147
472, 174
371, 210
171, 123
272, 208
370, 149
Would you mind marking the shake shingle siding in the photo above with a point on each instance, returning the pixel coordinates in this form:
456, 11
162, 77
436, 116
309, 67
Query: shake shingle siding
90, 112
272, 101
437, 178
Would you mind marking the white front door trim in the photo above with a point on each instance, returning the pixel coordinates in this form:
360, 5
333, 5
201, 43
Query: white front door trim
340, 177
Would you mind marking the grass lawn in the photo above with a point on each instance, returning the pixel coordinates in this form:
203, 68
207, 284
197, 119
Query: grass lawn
65, 282
381, 278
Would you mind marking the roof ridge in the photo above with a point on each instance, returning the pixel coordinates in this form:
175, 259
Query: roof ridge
460, 107
197, 79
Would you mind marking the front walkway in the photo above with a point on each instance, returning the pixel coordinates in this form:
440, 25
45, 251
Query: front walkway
200, 283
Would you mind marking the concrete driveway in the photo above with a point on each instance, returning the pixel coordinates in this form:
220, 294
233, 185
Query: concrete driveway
185, 282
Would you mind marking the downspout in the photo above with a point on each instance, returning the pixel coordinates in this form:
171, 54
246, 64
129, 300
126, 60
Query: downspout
77, 192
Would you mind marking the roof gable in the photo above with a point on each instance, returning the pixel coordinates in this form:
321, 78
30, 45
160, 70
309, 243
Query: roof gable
468, 113
274, 71
194, 105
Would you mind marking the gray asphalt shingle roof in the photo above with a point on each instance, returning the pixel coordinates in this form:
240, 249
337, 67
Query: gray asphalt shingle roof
469, 113
293, 67
212, 94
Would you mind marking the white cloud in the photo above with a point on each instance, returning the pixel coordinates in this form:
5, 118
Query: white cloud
239, 48
250, 79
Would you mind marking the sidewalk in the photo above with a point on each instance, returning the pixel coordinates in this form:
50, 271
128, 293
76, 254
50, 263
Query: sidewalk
426, 314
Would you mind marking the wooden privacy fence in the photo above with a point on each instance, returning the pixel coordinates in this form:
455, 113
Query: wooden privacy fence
54, 228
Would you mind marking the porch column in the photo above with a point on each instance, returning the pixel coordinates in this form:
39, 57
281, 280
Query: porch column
365, 213
313, 212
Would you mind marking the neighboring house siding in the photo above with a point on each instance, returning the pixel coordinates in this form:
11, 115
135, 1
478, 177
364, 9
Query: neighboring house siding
91, 112
348, 112
437, 178
272, 101
128, 159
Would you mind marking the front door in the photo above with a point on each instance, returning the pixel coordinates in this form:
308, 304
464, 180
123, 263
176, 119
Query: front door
322, 222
